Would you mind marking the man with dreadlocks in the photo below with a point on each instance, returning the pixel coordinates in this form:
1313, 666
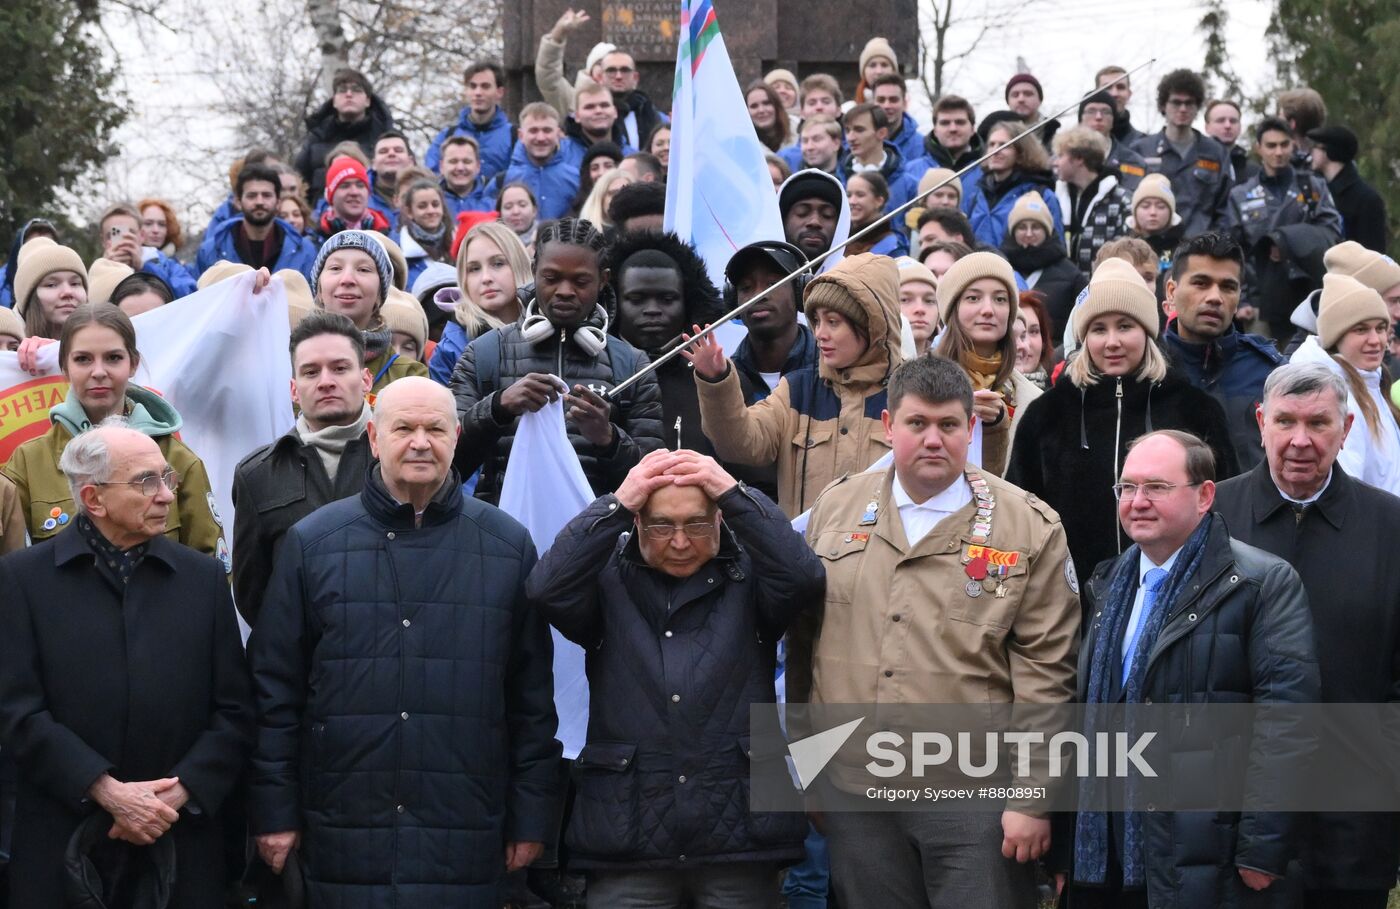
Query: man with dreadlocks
559, 346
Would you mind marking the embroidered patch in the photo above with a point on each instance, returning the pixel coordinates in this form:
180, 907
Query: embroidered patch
1207, 164
1071, 578
221, 553
213, 509
1132, 170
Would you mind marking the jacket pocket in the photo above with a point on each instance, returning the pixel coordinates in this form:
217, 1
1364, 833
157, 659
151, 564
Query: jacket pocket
606, 801
835, 548
811, 434
767, 768
986, 608
48, 517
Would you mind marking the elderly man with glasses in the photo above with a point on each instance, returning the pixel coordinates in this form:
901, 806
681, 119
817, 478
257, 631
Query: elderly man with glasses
124, 697
678, 587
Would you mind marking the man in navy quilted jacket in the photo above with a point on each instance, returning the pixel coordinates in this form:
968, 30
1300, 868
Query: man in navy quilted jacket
678, 587
405, 689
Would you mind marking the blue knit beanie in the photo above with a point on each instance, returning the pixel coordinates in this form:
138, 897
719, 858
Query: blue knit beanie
355, 239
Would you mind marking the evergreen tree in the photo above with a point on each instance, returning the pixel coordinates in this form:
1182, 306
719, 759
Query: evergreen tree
1345, 50
57, 103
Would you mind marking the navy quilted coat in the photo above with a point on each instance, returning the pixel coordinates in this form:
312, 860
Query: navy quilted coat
405, 701
673, 665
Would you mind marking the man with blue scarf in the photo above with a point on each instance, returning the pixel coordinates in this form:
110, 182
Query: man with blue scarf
1188, 615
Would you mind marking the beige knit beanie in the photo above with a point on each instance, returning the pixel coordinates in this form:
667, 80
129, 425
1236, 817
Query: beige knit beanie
402, 312
300, 303
38, 259
913, 270
1345, 302
878, 47
1031, 207
936, 175
103, 278
968, 270
780, 75
11, 324
1156, 186
1376, 270
1116, 287
221, 270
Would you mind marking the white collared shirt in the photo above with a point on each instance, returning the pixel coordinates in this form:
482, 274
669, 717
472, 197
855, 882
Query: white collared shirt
921, 517
1310, 499
1135, 617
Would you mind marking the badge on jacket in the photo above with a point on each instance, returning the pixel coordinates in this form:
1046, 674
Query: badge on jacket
1071, 578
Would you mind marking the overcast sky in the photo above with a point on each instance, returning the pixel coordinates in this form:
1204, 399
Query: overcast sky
1062, 41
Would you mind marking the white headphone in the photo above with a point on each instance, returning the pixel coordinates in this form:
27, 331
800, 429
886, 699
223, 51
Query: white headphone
536, 327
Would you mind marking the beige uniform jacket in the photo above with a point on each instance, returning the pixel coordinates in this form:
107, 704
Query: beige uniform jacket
898, 626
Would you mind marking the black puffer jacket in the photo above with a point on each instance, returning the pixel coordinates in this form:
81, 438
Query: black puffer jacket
1243, 634
1071, 442
1059, 279
324, 131
673, 666
405, 701
488, 430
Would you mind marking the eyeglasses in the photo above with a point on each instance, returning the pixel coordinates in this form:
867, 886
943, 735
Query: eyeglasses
618, 71
698, 530
1154, 491
150, 486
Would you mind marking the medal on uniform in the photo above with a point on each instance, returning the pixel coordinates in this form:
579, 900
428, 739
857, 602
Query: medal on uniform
973, 589
872, 510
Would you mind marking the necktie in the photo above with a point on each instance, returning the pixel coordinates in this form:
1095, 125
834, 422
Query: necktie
1151, 585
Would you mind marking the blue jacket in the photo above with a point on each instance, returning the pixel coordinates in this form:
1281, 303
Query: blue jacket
910, 141
935, 155
398, 663
554, 183
482, 197
173, 273
449, 349
297, 251
670, 690
1232, 370
892, 244
902, 186
221, 214
495, 140
989, 206
792, 155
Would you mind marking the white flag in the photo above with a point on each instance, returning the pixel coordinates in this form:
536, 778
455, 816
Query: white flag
543, 488
719, 194
219, 356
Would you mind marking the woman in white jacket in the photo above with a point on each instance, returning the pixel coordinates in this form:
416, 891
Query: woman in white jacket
1353, 328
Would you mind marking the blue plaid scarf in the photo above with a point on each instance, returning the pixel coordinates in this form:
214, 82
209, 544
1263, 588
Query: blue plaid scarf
1091, 827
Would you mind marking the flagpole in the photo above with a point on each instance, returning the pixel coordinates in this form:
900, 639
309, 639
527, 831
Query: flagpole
812, 265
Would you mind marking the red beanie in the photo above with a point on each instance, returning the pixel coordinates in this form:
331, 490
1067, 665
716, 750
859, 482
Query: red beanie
1028, 79
465, 222
343, 169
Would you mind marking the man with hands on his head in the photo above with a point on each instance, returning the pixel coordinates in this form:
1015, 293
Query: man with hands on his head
691, 578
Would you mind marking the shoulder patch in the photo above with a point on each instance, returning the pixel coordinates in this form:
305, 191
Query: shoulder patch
222, 554
213, 509
1071, 578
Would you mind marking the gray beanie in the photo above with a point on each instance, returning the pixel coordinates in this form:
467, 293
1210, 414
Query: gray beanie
361, 240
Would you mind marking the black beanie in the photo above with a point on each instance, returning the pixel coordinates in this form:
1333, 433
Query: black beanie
1099, 97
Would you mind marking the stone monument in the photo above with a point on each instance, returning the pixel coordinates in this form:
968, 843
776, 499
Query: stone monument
804, 36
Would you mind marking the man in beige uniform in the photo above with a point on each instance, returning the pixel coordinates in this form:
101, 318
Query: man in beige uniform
945, 585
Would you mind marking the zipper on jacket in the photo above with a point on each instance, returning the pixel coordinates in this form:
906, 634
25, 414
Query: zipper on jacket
1117, 441
563, 336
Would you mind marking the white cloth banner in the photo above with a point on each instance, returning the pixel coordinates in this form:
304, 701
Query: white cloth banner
543, 488
219, 356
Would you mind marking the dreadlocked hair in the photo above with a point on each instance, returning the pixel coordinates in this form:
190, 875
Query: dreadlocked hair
570, 232
655, 249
